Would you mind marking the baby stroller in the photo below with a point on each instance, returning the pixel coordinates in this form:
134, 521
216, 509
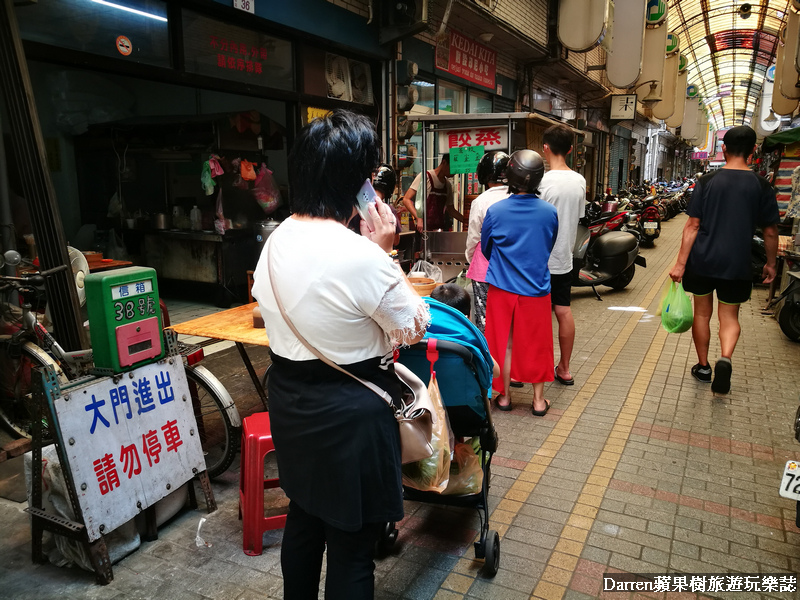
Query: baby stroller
464, 372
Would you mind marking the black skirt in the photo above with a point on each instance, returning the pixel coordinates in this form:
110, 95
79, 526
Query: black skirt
337, 443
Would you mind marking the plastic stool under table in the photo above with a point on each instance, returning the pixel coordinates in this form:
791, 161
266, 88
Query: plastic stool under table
256, 444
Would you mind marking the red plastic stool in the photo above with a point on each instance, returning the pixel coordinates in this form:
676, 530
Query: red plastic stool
256, 444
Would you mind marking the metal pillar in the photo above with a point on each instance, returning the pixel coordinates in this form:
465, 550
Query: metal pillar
6, 222
37, 187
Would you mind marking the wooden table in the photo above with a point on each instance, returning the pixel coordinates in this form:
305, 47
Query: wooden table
107, 264
236, 325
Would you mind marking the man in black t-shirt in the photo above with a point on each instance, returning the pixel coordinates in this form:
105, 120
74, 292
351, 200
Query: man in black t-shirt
727, 206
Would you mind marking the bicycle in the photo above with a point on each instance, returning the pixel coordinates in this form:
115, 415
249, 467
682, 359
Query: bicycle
28, 345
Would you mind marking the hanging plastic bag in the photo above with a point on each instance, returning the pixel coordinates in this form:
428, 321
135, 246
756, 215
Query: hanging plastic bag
219, 220
466, 475
238, 181
265, 191
664, 291
216, 168
430, 271
207, 180
676, 310
432, 474
248, 170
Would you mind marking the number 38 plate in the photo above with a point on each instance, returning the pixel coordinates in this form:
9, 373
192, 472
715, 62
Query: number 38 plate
790, 484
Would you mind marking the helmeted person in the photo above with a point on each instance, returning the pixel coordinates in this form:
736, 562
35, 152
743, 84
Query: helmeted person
491, 174
517, 237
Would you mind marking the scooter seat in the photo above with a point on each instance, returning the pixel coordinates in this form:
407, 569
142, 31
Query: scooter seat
615, 242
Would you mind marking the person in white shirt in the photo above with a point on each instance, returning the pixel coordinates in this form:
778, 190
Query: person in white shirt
337, 443
491, 174
566, 190
439, 202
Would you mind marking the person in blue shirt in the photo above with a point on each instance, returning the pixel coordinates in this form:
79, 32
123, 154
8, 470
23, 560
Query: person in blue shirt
517, 237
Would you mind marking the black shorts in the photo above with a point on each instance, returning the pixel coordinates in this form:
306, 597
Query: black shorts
560, 289
729, 291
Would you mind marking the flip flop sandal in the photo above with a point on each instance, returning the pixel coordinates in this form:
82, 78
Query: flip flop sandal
722, 377
540, 413
561, 380
516, 384
503, 407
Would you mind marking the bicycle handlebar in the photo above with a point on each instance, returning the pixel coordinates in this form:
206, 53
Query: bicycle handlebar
35, 279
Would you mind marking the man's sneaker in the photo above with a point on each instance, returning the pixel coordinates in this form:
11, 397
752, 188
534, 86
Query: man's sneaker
722, 376
702, 373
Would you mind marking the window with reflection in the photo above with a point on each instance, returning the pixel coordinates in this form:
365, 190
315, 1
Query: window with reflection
452, 98
479, 102
132, 30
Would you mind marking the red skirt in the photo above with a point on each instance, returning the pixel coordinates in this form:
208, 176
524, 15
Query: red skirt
532, 350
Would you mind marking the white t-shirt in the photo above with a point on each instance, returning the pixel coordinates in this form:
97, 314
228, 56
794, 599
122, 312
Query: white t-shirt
341, 291
477, 212
566, 190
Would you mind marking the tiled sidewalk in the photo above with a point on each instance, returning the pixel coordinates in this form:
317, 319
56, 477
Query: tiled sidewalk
637, 468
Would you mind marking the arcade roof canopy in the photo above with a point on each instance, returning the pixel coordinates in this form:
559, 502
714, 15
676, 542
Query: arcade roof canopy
729, 52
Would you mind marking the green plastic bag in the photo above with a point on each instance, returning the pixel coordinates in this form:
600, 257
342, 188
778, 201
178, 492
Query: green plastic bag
676, 310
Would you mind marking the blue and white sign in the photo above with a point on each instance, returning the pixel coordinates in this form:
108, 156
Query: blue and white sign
129, 441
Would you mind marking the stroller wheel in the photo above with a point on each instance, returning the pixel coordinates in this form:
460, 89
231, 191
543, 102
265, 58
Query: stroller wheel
492, 553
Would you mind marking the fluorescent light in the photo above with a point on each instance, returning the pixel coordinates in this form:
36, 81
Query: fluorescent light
131, 10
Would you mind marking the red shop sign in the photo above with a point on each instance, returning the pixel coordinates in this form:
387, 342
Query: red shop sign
466, 58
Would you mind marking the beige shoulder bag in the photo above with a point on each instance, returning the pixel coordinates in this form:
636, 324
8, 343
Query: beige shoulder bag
415, 418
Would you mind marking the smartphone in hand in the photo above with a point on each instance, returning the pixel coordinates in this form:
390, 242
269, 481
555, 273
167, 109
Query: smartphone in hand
366, 196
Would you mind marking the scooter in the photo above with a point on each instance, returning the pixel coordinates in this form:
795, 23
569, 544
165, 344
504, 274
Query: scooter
609, 259
650, 222
788, 303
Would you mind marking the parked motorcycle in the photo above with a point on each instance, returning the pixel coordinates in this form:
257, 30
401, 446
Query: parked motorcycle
649, 222
788, 302
603, 257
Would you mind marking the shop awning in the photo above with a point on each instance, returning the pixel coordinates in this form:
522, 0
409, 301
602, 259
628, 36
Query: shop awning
790, 136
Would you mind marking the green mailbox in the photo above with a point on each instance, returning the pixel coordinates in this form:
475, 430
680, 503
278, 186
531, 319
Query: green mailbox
124, 318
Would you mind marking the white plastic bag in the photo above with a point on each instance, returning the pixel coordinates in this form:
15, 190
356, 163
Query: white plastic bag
427, 269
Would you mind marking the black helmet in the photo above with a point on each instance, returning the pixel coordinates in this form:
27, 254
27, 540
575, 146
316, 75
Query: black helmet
492, 167
385, 180
524, 172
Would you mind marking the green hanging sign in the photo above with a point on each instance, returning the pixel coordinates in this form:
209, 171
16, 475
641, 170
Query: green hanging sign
673, 44
465, 159
656, 12
684, 62
692, 90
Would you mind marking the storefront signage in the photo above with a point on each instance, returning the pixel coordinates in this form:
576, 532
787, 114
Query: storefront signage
311, 113
491, 138
623, 107
699, 155
245, 5
222, 50
466, 58
656, 12
465, 159
130, 441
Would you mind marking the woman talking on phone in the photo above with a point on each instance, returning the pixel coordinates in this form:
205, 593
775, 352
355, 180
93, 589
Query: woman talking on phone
337, 443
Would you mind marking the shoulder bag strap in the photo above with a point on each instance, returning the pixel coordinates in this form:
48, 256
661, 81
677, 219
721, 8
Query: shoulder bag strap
371, 386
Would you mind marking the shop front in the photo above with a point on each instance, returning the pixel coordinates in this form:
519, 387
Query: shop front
168, 125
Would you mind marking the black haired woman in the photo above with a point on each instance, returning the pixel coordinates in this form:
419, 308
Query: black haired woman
337, 443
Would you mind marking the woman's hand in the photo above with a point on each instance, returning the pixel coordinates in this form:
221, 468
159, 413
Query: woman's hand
384, 222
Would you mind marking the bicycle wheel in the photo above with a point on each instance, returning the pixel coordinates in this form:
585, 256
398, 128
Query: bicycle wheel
16, 404
218, 422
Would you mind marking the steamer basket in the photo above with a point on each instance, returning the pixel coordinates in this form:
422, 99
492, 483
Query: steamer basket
423, 285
